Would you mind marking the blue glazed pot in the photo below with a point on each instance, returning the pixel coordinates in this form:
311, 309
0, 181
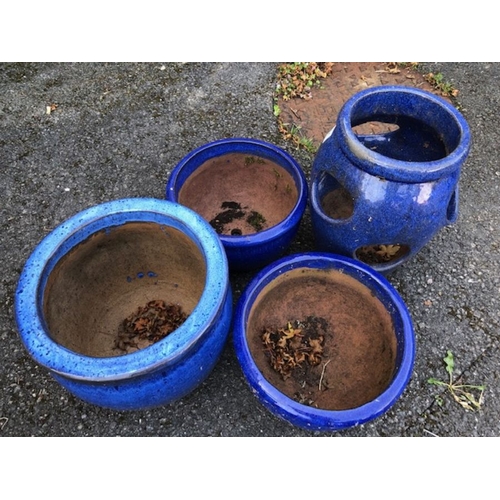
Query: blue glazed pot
343, 293
381, 197
99, 266
244, 251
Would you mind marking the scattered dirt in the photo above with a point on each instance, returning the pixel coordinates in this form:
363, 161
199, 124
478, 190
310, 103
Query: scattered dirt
240, 194
256, 220
148, 325
231, 211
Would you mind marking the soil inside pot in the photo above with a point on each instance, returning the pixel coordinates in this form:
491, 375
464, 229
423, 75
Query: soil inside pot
338, 204
240, 194
337, 346
127, 272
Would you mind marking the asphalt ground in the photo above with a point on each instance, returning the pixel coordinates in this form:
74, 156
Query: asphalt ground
117, 130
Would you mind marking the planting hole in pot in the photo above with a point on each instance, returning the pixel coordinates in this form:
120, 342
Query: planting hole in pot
140, 273
381, 254
322, 338
338, 204
240, 194
336, 201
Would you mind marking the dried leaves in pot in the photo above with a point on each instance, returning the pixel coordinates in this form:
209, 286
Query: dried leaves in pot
149, 324
295, 346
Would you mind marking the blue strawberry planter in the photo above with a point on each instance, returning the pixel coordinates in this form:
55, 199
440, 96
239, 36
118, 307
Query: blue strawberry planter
101, 266
380, 197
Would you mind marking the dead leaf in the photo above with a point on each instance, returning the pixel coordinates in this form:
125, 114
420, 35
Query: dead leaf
388, 250
289, 347
149, 324
50, 108
393, 68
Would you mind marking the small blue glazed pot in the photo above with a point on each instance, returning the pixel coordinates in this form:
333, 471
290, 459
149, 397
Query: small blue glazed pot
381, 197
369, 345
97, 268
244, 173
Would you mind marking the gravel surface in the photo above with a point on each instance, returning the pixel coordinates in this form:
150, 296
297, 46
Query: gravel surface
117, 130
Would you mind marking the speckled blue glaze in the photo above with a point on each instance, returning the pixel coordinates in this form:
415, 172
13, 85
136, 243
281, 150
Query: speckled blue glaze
308, 417
404, 183
156, 375
251, 251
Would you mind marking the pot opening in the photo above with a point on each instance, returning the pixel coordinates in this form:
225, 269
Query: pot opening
123, 289
381, 254
374, 127
240, 194
409, 127
336, 201
323, 339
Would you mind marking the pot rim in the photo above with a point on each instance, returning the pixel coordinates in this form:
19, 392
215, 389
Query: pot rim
29, 293
307, 416
253, 146
399, 170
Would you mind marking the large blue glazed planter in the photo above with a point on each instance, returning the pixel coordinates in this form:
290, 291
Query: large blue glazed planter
380, 197
369, 349
249, 173
96, 268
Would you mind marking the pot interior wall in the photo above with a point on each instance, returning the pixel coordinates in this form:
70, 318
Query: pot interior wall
257, 185
107, 277
358, 359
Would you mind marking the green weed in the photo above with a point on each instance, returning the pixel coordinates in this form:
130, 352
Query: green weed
438, 82
461, 393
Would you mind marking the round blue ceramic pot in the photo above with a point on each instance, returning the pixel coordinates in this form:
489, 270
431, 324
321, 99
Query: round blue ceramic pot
241, 177
368, 346
380, 197
101, 266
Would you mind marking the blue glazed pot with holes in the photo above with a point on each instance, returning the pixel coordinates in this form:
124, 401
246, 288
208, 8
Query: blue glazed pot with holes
385, 179
127, 304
